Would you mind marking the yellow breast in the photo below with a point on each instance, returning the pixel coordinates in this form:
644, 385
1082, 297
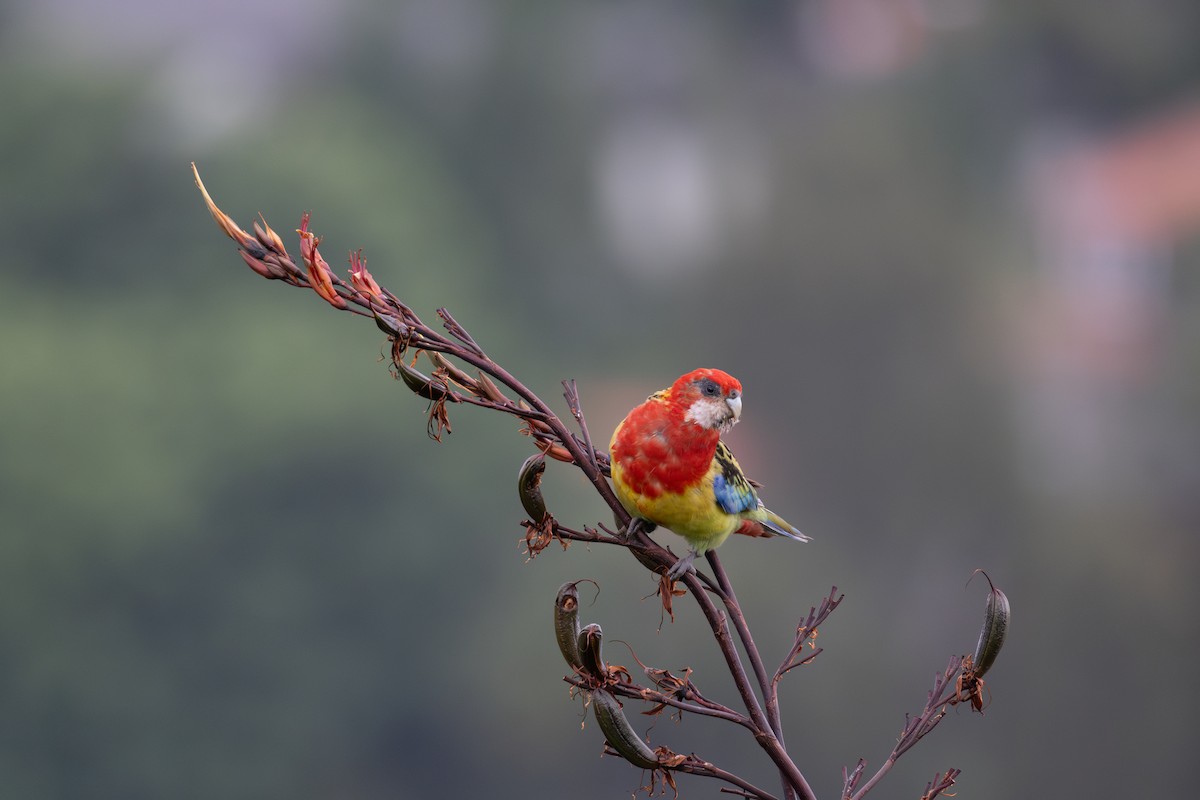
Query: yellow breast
693, 514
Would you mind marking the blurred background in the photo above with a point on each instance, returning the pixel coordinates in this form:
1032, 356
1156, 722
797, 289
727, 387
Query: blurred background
949, 247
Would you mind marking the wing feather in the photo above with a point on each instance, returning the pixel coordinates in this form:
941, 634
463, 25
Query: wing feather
732, 490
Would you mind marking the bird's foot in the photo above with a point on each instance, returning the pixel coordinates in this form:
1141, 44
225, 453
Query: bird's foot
682, 566
638, 524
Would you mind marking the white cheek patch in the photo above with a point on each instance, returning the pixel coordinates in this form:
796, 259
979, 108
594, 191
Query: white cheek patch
711, 414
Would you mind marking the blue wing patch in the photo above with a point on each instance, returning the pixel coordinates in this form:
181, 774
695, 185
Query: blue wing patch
733, 492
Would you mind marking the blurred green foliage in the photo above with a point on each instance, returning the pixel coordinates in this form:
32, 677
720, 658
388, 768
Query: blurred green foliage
232, 565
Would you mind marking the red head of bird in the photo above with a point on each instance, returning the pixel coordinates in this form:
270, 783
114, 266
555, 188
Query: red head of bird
709, 398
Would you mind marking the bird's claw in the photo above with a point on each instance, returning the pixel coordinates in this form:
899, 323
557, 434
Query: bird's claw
682, 566
638, 524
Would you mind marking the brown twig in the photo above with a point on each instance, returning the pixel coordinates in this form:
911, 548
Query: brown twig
806, 632
637, 692
916, 728
571, 393
766, 739
770, 698
695, 766
940, 783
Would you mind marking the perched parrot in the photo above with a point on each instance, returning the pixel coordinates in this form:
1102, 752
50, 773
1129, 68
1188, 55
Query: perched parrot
670, 467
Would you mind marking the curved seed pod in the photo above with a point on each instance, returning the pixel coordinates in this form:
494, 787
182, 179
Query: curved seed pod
388, 324
619, 733
566, 624
995, 627
590, 640
529, 486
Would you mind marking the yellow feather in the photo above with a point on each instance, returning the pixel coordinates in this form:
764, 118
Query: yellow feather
693, 514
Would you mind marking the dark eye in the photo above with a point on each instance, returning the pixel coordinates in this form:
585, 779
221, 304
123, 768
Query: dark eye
709, 388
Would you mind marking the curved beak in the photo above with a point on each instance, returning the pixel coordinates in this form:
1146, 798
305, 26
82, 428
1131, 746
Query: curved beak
735, 406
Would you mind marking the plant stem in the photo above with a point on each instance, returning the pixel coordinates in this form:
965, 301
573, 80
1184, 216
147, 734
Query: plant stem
770, 697
765, 738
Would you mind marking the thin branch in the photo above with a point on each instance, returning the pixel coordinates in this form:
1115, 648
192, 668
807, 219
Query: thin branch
766, 739
571, 393
770, 698
635, 692
851, 777
585, 535
695, 766
800, 662
940, 784
916, 728
704, 701
458, 331
739, 623
684, 689
806, 631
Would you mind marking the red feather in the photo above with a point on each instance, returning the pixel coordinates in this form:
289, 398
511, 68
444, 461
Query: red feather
659, 449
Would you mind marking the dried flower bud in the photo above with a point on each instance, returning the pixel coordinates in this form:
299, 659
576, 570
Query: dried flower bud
269, 238
361, 279
320, 277
452, 372
224, 221
256, 265
559, 453
490, 390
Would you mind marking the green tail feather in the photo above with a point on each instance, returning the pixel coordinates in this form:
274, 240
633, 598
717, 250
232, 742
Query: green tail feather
778, 525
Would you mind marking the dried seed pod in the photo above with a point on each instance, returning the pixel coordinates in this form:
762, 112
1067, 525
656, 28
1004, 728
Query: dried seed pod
566, 624
590, 640
529, 486
619, 733
995, 627
388, 324
420, 383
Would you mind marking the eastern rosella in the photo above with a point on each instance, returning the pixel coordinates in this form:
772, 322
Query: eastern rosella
670, 467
